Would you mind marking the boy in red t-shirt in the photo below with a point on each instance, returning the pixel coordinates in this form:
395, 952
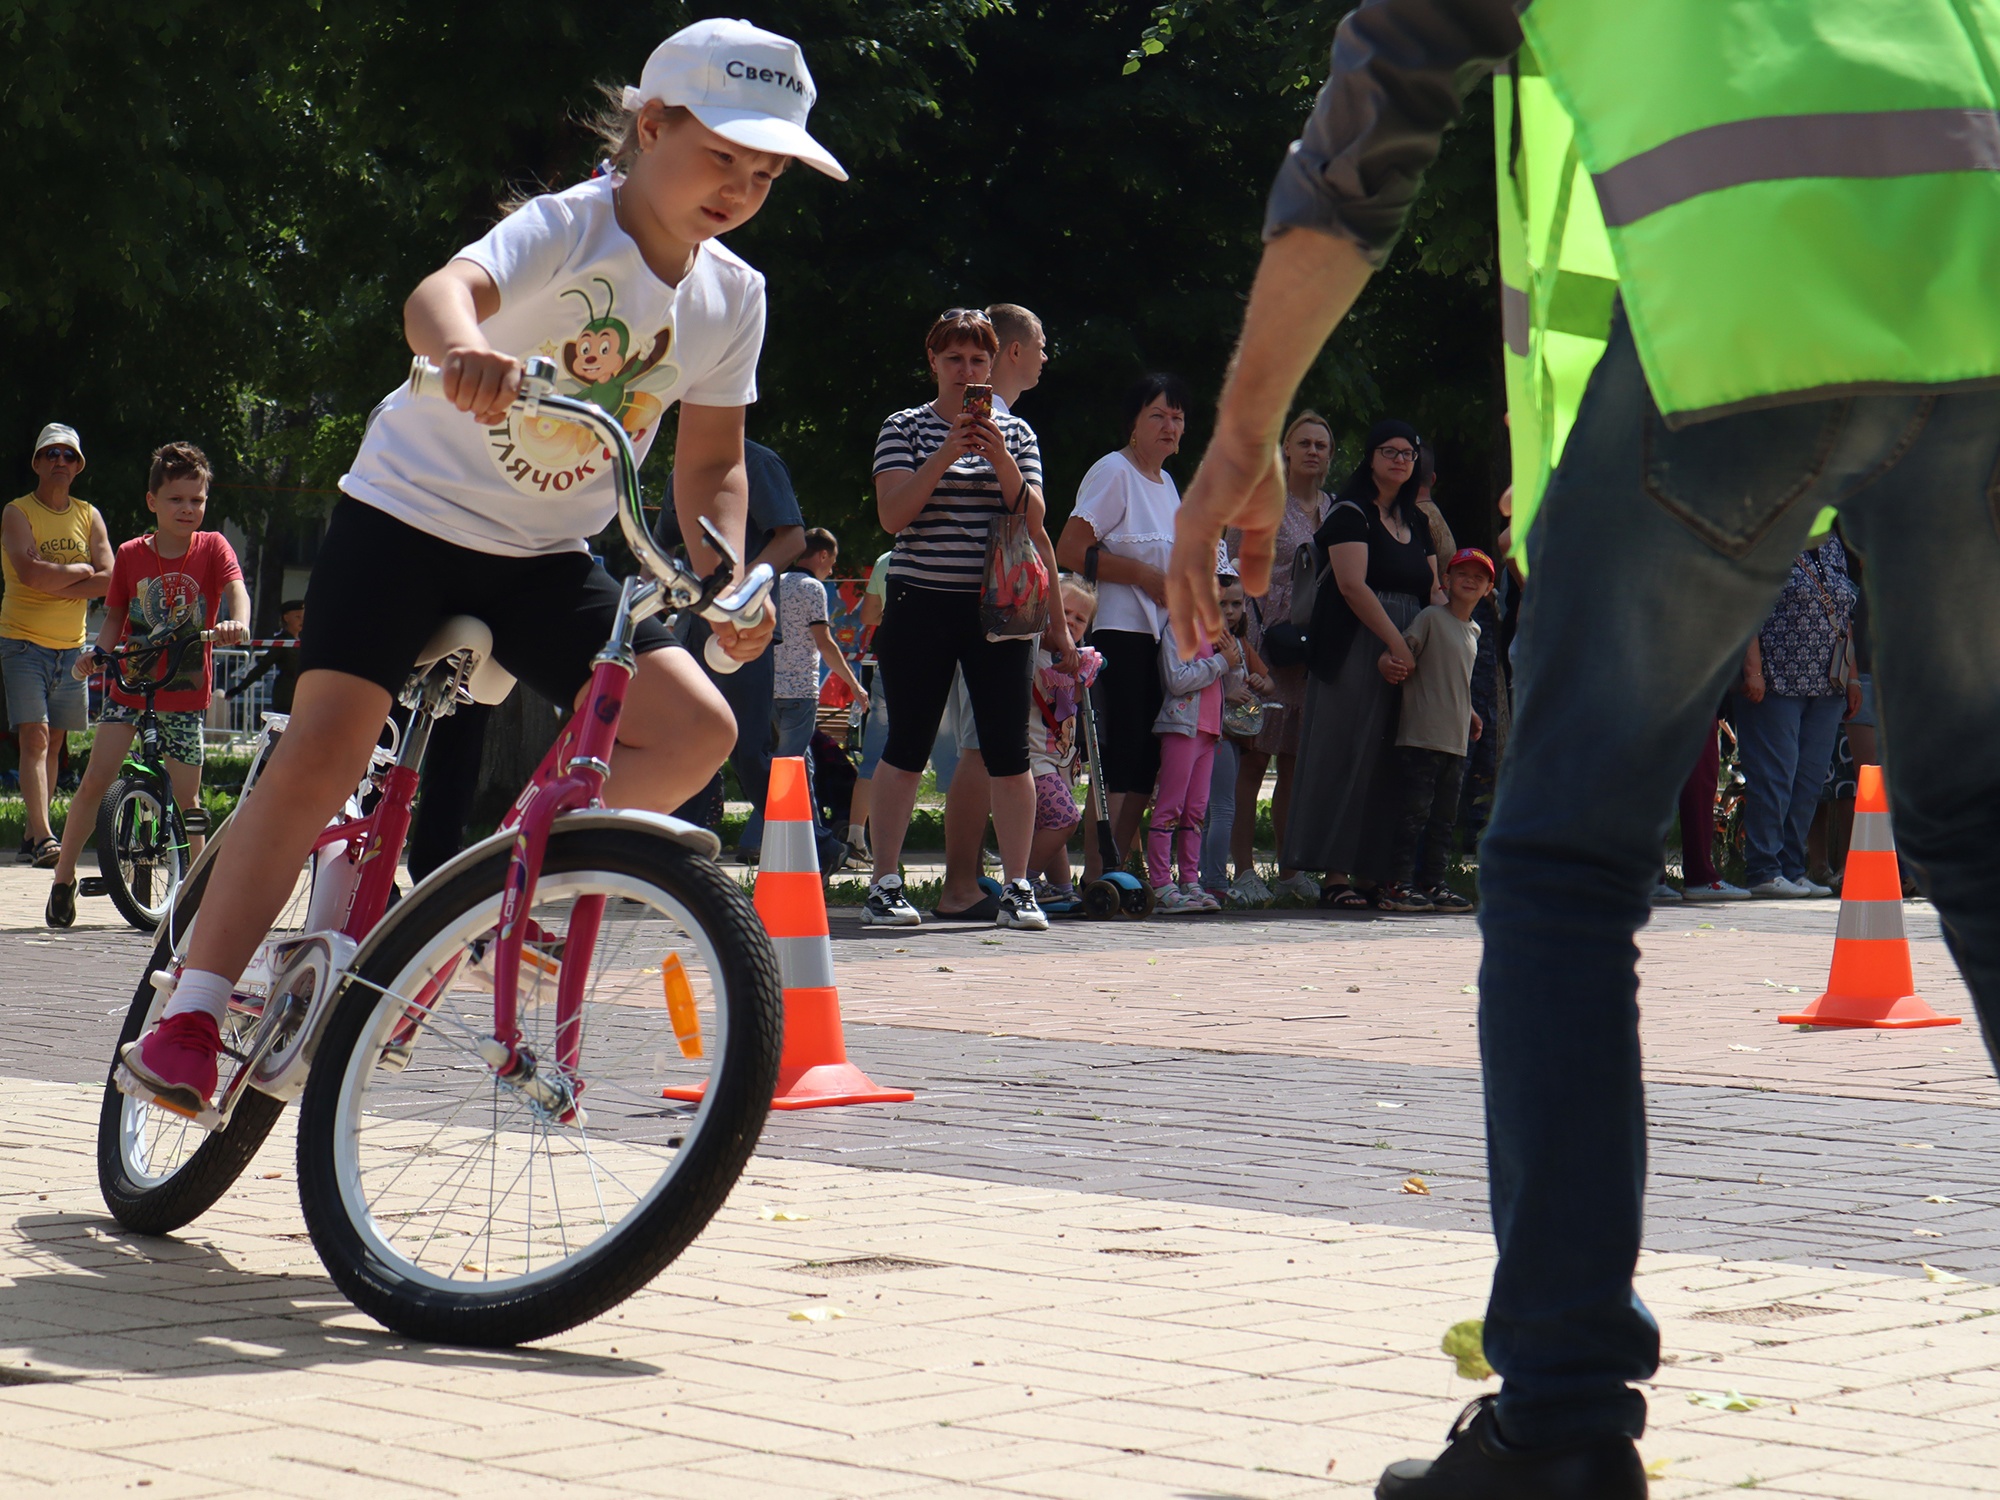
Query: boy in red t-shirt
180, 578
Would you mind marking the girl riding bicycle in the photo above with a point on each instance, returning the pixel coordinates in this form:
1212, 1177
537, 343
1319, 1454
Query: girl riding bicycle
484, 511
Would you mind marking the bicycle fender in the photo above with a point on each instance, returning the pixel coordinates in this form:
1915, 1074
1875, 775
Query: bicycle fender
690, 836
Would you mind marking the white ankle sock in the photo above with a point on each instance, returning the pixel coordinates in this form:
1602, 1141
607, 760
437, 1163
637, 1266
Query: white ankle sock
199, 991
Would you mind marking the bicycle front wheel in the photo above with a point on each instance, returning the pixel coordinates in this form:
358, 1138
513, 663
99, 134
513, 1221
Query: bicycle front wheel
453, 1205
141, 851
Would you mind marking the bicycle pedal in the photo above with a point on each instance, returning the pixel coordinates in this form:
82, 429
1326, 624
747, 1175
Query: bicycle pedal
92, 885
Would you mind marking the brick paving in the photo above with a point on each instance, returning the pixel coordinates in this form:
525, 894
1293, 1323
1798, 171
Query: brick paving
1163, 1244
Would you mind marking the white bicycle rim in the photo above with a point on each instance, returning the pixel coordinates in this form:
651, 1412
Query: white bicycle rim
454, 1179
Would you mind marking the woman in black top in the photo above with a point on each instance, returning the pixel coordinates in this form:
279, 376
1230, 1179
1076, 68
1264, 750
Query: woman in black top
1377, 570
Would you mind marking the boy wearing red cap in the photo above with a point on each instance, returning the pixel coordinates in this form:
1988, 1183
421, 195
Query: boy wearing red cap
1436, 728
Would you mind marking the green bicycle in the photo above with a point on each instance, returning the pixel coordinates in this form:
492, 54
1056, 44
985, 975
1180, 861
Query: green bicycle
143, 851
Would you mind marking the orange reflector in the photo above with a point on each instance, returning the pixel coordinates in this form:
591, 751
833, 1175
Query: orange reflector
680, 1005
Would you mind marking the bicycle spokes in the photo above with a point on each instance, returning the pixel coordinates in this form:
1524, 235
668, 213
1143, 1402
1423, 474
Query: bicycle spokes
472, 1158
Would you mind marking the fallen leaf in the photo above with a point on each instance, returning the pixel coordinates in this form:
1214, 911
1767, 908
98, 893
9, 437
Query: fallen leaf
1385, 1104
1657, 1469
1330, 1463
1723, 1400
473, 1265
273, 1176
1354, 989
816, 1314
943, 969
1914, 1145
1951, 1049
1772, 983
1468, 989
1152, 960
1308, 986
1466, 1343
1939, 1198
1791, 989
1709, 925
1417, 1186
1739, 1047
781, 1215
1929, 1234
1942, 1278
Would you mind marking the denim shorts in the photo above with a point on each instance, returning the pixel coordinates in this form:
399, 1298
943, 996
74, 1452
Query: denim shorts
39, 687
180, 730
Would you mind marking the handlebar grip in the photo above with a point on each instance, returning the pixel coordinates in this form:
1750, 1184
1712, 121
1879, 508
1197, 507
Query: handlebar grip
717, 658
426, 379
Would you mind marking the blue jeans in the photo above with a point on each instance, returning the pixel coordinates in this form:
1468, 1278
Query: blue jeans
1654, 558
792, 721
1786, 745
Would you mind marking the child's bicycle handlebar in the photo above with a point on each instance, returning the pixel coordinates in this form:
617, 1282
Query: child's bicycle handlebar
684, 591
111, 662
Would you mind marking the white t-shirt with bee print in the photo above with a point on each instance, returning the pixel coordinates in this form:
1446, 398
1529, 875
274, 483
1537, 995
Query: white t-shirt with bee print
574, 287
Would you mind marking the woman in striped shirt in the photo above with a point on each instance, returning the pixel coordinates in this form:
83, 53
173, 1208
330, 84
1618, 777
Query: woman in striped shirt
943, 474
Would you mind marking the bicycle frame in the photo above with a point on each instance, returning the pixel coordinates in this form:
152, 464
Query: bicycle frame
570, 778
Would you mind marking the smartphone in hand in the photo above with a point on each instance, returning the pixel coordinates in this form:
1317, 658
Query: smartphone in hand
979, 399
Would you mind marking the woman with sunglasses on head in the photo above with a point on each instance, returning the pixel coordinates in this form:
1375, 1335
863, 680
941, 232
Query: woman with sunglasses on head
1377, 570
944, 472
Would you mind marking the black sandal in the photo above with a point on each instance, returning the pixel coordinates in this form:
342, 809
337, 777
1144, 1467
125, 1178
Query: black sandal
47, 852
1345, 898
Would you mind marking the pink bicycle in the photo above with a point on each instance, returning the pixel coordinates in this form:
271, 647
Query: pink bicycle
485, 1155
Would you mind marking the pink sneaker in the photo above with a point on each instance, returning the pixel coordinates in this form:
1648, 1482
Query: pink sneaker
173, 1066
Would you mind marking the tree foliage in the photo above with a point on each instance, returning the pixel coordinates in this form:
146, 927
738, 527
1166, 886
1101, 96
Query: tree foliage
219, 209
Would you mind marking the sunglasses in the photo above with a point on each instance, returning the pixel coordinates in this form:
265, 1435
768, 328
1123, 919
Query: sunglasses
61, 455
963, 315
1399, 455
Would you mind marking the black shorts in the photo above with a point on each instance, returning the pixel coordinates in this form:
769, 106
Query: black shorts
924, 634
380, 588
1128, 696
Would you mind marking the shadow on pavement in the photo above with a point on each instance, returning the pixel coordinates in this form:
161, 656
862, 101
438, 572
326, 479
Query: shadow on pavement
86, 1297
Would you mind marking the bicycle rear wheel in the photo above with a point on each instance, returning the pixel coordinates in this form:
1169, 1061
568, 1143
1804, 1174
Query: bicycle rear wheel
158, 1170
141, 850
452, 1206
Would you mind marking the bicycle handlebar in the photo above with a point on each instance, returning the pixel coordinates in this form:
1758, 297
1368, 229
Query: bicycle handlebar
180, 645
686, 591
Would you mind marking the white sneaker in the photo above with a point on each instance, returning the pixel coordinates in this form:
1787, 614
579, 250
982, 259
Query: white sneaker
1171, 900
1298, 884
1204, 899
1249, 890
1812, 887
887, 906
1779, 889
1715, 890
1018, 908
1665, 895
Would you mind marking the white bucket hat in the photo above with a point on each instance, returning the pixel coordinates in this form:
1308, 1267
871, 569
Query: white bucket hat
748, 85
59, 434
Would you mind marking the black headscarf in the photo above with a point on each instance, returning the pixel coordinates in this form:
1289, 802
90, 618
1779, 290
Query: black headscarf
1360, 485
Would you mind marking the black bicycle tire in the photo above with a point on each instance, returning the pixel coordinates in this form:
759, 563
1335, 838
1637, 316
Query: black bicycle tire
712, 1158
218, 1161
107, 844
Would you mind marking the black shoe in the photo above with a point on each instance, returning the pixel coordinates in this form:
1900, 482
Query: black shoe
1444, 898
1477, 1465
61, 910
1401, 898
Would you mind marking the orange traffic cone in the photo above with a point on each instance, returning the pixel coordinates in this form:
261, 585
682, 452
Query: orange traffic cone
813, 1069
1871, 983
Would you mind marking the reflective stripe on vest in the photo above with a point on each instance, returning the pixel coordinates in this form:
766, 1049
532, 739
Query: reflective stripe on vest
1802, 198
1557, 279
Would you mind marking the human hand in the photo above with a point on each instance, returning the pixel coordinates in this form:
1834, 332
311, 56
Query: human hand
1478, 724
1753, 686
747, 643
1237, 485
1396, 664
481, 381
1259, 683
1853, 700
231, 632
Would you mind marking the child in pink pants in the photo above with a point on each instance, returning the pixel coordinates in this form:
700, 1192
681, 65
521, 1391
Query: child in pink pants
1189, 728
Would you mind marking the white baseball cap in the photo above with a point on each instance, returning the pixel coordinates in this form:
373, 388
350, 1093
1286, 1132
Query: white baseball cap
748, 85
56, 434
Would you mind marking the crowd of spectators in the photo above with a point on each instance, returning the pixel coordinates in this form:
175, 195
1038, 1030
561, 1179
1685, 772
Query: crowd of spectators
1369, 689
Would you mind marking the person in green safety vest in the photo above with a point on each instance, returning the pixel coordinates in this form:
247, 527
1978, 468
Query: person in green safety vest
1798, 204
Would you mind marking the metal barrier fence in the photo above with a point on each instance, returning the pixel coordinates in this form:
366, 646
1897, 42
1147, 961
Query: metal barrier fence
228, 720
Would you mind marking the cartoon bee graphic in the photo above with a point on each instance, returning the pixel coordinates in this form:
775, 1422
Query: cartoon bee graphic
601, 361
